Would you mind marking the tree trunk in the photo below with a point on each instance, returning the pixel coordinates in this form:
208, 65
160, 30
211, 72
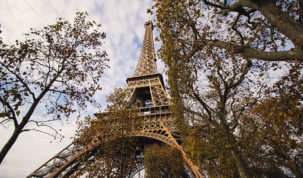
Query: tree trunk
10, 143
25, 119
242, 169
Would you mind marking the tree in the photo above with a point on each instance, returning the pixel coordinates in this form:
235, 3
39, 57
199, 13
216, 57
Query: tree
268, 30
217, 54
57, 67
117, 154
163, 161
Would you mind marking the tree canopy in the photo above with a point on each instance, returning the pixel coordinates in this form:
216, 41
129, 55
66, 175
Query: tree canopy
223, 58
56, 68
269, 30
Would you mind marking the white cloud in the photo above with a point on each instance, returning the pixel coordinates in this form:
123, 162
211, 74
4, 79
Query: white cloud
123, 21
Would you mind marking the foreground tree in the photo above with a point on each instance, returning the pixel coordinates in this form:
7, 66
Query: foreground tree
116, 155
57, 69
218, 53
163, 161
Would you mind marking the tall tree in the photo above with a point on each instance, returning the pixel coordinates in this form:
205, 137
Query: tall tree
217, 52
57, 69
116, 155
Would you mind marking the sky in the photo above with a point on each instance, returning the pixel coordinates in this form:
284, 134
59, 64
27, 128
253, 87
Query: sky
123, 21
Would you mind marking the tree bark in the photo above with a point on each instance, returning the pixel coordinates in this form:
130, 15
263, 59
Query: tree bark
289, 55
282, 21
242, 169
10, 143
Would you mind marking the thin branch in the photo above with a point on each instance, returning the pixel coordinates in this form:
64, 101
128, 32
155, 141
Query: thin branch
242, 109
220, 75
50, 120
52, 135
39, 124
14, 118
1, 122
20, 79
237, 31
60, 92
242, 76
195, 49
272, 32
193, 26
213, 4
205, 106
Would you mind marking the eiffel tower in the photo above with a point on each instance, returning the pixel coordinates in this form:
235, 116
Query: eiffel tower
145, 90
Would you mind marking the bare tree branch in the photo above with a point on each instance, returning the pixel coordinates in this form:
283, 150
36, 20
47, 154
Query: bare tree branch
237, 31
40, 131
5, 120
205, 106
242, 76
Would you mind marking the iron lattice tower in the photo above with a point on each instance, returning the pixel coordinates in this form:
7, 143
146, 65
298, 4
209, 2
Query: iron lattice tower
144, 90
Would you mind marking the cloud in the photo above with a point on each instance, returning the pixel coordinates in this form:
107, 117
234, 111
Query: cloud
123, 21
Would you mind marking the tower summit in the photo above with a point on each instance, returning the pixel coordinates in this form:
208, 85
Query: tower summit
147, 60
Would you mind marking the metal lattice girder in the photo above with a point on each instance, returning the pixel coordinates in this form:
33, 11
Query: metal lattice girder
154, 85
57, 161
66, 160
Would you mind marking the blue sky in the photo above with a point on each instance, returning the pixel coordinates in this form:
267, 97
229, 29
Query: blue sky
123, 21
